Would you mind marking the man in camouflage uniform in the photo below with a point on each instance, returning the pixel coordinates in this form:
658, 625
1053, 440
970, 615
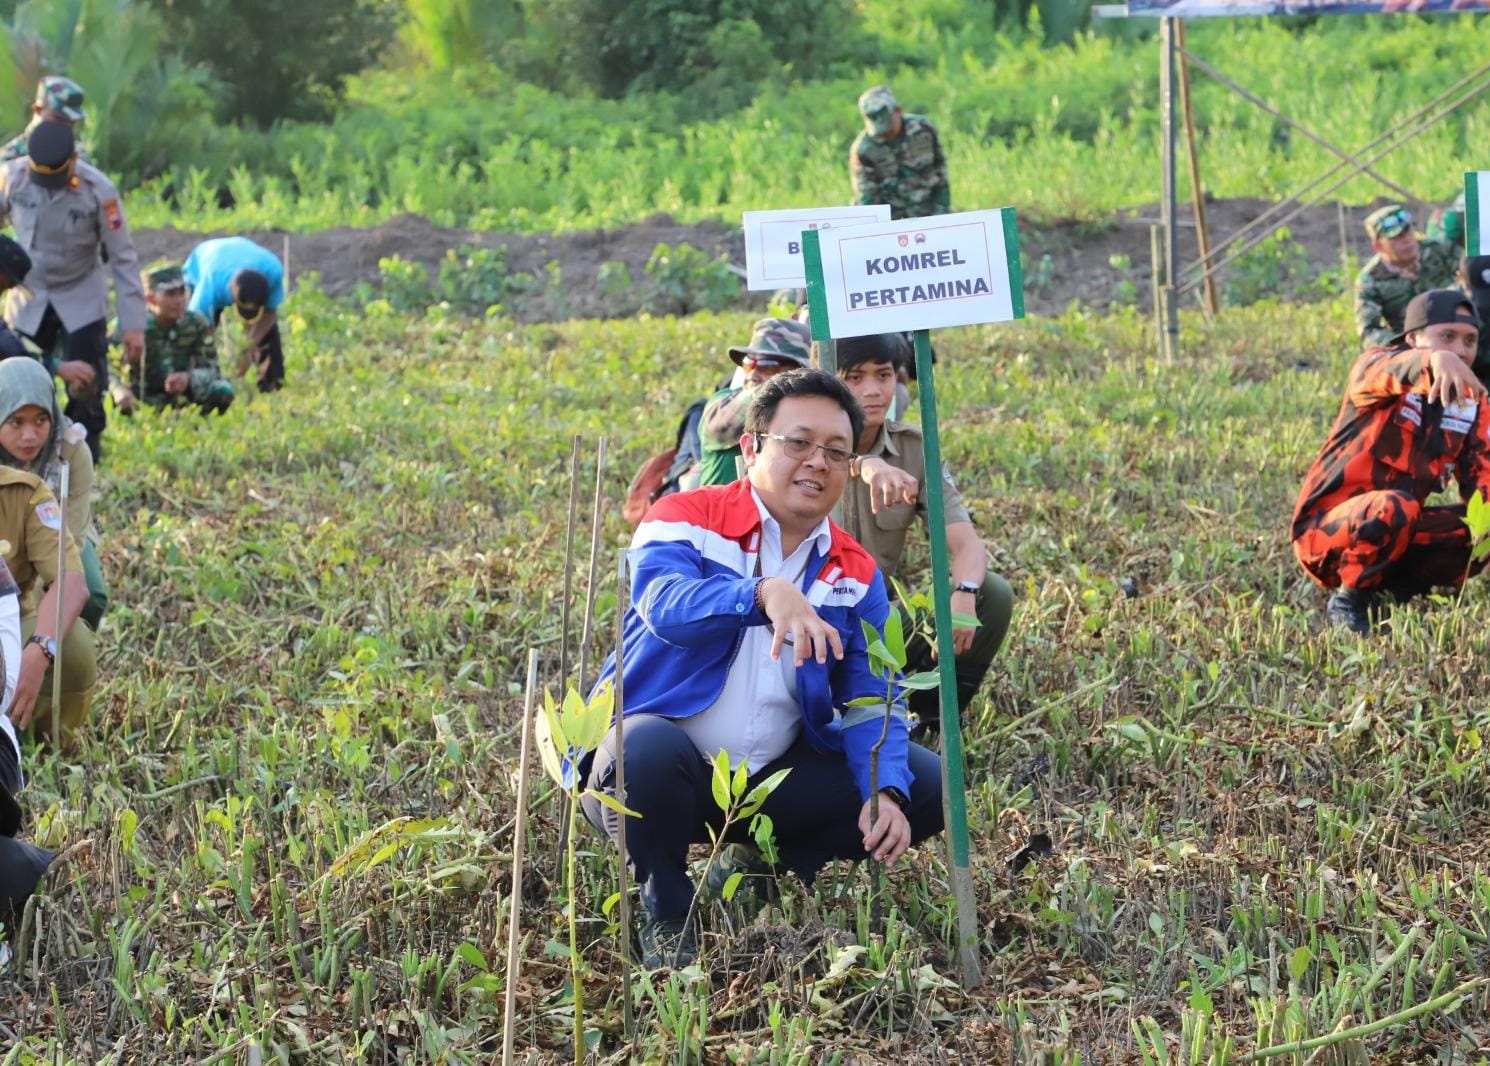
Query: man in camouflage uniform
898, 160
1413, 418
69, 219
776, 345
180, 359
1402, 267
1447, 223
58, 99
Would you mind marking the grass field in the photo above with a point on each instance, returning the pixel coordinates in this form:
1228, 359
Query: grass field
1263, 835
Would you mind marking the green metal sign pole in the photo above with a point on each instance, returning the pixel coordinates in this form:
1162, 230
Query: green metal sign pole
954, 790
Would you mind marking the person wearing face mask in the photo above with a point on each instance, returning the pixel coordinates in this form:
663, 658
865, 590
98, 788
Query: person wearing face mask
34, 440
239, 273
1403, 266
745, 635
1414, 417
69, 219
776, 345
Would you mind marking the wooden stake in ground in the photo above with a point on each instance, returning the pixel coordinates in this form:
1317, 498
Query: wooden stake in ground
954, 790
623, 872
62, 495
589, 620
568, 564
1197, 194
519, 841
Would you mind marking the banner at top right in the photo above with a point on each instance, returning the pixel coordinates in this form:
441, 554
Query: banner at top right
1204, 8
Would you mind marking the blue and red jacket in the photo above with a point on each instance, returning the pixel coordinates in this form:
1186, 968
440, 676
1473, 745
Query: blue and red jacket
693, 595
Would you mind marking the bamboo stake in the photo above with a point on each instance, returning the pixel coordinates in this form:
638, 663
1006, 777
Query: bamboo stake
623, 872
569, 523
63, 488
954, 790
1197, 194
519, 841
589, 619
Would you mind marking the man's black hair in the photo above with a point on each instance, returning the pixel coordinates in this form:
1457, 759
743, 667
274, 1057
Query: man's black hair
876, 348
809, 381
250, 287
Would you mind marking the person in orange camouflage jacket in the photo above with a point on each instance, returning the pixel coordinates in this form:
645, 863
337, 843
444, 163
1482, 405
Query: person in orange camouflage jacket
1414, 416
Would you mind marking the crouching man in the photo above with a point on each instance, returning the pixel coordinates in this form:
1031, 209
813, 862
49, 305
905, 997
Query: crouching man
744, 635
1414, 416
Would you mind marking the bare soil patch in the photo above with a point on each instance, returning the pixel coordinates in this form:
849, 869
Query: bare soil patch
1097, 264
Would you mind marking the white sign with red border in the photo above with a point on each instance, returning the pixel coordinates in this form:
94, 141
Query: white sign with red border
918, 273
773, 240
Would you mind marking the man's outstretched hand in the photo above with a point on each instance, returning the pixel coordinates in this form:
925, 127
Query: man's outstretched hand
888, 838
794, 620
1453, 382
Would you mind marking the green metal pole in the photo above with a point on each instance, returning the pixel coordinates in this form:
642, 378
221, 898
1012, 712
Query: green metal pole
954, 790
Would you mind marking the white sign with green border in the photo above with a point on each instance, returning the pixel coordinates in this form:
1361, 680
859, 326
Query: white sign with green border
918, 273
1476, 193
773, 240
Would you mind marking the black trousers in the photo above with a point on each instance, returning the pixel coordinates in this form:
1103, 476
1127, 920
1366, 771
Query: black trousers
90, 345
21, 864
271, 349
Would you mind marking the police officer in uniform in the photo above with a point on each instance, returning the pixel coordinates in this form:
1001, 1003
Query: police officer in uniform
69, 219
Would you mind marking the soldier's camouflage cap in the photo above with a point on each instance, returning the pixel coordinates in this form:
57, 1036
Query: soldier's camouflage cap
780, 338
1388, 221
62, 95
878, 105
164, 278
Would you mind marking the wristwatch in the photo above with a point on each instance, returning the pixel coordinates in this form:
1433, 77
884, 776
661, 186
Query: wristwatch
967, 586
900, 798
48, 646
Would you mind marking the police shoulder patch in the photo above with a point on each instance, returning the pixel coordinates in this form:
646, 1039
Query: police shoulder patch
113, 215
49, 514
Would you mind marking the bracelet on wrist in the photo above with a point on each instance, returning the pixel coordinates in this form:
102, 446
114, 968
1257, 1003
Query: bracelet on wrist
760, 601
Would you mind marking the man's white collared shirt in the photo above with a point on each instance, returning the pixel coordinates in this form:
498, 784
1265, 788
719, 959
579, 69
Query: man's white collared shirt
756, 717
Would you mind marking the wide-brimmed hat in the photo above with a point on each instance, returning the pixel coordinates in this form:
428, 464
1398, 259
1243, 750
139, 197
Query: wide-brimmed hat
779, 338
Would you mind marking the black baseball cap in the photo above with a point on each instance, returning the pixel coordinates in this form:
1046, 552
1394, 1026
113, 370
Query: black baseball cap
50, 148
1435, 307
14, 262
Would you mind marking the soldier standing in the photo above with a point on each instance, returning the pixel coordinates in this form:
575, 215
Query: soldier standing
898, 160
1402, 267
69, 220
58, 99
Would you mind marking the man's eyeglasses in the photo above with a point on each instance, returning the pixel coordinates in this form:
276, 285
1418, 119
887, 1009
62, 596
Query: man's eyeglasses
801, 448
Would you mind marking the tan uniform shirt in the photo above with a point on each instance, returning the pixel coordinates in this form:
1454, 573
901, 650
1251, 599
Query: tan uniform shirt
67, 232
883, 534
29, 523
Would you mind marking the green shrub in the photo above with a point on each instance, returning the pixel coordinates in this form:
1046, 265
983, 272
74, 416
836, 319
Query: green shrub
685, 279
404, 285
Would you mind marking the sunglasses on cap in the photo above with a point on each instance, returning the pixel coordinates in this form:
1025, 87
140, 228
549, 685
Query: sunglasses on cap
1394, 223
169, 287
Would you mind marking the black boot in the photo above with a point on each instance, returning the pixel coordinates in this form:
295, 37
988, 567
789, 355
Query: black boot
1350, 609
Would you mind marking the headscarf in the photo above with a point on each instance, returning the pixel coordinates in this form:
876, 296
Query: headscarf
25, 383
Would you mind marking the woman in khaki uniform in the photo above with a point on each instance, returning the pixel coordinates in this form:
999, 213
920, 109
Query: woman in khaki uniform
34, 439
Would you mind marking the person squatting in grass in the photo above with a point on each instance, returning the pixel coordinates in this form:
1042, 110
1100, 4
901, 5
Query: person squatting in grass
776, 345
69, 219
744, 635
238, 273
1413, 416
1402, 267
37, 438
179, 365
888, 493
30, 523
